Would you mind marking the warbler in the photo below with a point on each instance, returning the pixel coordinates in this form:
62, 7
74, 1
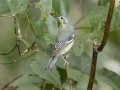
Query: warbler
64, 41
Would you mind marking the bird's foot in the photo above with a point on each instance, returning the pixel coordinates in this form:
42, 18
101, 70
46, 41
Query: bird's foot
65, 59
66, 62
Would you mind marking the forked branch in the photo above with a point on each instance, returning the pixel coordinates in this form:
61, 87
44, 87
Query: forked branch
98, 48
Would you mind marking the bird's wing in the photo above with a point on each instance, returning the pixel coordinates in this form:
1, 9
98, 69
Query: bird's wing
61, 43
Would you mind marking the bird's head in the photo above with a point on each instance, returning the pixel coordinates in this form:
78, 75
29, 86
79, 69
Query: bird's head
63, 20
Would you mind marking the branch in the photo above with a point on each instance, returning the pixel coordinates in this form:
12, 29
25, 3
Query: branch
107, 25
98, 48
93, 66
68, 73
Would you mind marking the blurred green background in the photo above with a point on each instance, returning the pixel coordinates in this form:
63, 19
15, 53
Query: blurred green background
109, 57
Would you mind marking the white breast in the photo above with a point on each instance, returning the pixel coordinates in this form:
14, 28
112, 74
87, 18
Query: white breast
67, 48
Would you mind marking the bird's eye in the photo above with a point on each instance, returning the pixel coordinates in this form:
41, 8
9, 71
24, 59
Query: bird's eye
61, 17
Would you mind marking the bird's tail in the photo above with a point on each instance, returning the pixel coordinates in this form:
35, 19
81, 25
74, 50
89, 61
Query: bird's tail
51, 63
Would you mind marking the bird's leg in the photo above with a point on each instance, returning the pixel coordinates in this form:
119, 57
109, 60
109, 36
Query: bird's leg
66, 62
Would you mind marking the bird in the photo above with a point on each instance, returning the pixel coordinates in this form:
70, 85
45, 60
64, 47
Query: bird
64, 41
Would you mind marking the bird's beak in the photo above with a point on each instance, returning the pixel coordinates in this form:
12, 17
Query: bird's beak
57, 18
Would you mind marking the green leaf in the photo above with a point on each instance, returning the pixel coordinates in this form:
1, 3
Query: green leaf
40, 45
29, 88
45, 7
106, 81
38, 67
28, 81
66, 86
109, 77
98, 17
83, 83
47, 31
103, 2
92, 36
115, 24
27, 70
4, 7
61, 7
78, 48
49, 48
32, 52
16, 6
82, 62
75, 74
52, 28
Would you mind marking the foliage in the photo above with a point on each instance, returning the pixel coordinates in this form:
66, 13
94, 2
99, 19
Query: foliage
45, 28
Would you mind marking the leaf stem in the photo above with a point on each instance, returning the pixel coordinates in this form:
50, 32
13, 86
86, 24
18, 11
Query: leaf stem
44, 85
25, 43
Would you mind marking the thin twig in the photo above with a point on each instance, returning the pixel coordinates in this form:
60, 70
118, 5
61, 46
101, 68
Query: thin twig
5, 53
68, 73
27, 29
16, 36
25, 43
8, 85
32, 47
6, 16
98, 48
80, 19
11, 82
17, 40
11, 88
81, 28
82, 13
28, 17
16, 60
